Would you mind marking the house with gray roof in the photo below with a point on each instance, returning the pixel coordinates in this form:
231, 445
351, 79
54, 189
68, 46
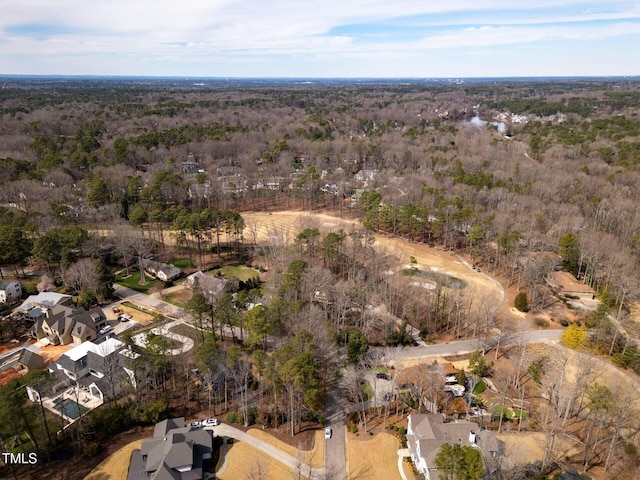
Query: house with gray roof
162, 271
210, 286
176, 452
29, 361
426, 433
63, 325
44, 300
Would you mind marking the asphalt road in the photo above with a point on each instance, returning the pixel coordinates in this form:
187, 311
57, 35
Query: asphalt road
467, 346
335, 458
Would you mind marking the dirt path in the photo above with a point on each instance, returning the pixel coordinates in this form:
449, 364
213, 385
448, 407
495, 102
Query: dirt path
263, 227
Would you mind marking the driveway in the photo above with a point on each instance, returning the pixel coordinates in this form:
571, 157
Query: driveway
186, 343
224, 430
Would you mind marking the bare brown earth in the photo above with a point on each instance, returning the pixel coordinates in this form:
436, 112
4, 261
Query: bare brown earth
287, 224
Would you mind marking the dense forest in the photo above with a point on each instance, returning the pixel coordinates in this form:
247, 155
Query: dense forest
562, 161
520, 177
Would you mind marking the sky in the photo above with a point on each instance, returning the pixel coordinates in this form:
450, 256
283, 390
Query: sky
320, 38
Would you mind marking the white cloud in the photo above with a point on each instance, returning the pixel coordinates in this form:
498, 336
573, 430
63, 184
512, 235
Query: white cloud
169, 31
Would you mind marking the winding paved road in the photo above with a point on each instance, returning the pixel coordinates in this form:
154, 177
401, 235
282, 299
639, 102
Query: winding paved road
468, 346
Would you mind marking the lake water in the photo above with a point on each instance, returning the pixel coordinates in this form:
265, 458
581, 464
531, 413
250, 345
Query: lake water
478, 122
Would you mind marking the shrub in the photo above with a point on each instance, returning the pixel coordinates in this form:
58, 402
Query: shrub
91, 449
521, 302
231, 417
575, 337
353, 428
541, 322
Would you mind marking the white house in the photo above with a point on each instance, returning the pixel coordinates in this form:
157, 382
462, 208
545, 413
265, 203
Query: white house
10, 292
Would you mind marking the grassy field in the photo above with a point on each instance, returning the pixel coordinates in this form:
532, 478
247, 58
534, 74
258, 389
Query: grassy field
315, 454
373, 458
133, 282
182, 263
244, 461
115, 466
241, 272
185, 331
178, 298
143, 317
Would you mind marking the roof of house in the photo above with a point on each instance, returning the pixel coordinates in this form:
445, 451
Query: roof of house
431, 432
157, 267
164, 426
207, 284
31, 360
173, 446
567, 283
7, 283
47, 299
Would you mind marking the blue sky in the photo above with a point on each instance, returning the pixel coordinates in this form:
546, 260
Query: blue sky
314, 38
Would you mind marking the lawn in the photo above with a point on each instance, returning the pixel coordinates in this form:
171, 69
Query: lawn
375, 458
116, 465
182, 263
185, 331
367, 390
20, 443
178, 298
133, 282
241, 272
243, 461
316, 454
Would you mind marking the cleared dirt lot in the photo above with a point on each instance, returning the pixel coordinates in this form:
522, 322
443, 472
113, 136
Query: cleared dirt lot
263, 227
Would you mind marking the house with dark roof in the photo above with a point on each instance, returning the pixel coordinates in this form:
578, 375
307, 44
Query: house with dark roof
426, 433
162, 271
176, 452
29, 361
210, 286
63, 325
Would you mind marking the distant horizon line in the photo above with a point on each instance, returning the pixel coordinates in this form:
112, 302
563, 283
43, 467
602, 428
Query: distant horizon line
290, 78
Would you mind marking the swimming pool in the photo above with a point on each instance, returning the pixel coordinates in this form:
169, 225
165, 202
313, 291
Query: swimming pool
68, 407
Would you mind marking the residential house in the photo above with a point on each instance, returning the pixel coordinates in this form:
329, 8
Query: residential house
29, 361
366, 175
210, 286
100, 371
63, 325
10, 292
565, 284
175, 452
426, 433
43, 300
226, 170
200, 190
271, 183
162, 271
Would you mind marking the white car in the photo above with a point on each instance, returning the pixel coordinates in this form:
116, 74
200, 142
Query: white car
328, 432
211, 422
195, 425
105, 329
